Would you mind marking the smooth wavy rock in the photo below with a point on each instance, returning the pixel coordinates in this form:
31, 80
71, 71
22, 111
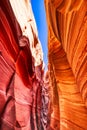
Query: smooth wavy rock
21, 67
67, 54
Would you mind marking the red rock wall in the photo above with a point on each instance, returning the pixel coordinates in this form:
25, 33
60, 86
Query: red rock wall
21, 68
67, 43
24, 94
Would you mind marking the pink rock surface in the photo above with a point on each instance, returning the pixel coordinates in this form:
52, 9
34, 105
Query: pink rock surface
21, 68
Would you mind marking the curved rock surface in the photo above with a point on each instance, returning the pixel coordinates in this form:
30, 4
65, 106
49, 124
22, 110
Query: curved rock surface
67, 53
24, 97
21, 67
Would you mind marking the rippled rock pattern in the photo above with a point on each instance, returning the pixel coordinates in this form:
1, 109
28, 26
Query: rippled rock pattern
21, 67
67, 53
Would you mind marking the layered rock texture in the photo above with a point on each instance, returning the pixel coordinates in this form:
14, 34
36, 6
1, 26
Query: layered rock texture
67, 53
24, 98
21, 68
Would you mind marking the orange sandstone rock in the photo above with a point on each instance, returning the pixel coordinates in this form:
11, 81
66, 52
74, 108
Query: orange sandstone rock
67, 46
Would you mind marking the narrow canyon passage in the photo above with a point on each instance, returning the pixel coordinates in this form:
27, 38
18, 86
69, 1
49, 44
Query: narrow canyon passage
30, 97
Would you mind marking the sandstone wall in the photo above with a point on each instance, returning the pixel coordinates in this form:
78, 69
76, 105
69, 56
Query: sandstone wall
21, 67
67, 53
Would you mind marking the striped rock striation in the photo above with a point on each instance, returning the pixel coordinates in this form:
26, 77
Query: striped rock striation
67, 54
24, 87
21, 68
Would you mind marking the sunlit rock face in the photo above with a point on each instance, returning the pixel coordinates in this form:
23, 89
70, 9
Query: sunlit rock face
67, 53
21, 67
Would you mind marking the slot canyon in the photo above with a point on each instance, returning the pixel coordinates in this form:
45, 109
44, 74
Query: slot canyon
32, 98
